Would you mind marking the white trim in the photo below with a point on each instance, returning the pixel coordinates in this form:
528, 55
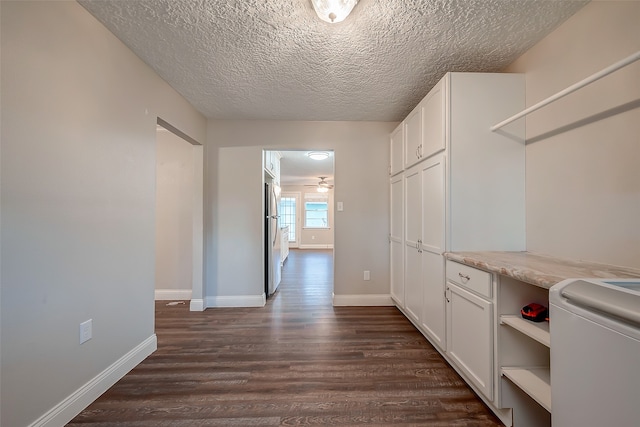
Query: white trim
330, 246
237, 301
197, 223
172, 294
196, 305
66, 410
362, 300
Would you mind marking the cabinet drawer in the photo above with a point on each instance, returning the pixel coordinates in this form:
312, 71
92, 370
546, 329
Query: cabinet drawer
470, 278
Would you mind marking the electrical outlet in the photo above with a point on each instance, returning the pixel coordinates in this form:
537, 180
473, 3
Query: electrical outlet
313, 237
367, 275
85, 331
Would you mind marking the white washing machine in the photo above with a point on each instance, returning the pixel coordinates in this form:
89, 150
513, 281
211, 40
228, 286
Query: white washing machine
595, 353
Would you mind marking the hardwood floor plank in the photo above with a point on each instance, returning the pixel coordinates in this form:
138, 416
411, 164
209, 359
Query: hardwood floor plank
297, 361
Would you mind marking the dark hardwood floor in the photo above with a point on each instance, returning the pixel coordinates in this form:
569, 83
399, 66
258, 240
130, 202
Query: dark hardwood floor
297, 361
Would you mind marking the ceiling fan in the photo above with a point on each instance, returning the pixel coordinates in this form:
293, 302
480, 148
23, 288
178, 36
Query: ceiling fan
322, 186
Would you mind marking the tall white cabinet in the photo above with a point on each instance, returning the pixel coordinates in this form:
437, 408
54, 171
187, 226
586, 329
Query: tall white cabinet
464, 190
424, 245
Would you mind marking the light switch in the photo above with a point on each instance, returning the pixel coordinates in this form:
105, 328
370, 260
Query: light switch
85, 331
340, 207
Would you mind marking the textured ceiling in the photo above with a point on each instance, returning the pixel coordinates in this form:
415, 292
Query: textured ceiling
298, 169
274, 59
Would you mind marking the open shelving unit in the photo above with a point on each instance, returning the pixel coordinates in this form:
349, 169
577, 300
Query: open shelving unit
524, 354
538, 331
536, 382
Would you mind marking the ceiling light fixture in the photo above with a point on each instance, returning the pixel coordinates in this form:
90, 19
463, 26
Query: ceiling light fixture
333, 11
318, 155
322, 189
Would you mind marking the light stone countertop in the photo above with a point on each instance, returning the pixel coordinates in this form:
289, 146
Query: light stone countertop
540, 270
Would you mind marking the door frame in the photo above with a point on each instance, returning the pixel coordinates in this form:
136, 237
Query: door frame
197, 222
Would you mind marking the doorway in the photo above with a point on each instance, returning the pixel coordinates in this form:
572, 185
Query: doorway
306, 204
179, 217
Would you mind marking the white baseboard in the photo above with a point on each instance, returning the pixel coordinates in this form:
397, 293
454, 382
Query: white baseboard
315, 247
236, 301
173, 294
362, 300
66, 410
196, 305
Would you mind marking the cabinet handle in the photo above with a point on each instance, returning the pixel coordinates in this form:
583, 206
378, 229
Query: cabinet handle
420, 150
445, 294
464, 277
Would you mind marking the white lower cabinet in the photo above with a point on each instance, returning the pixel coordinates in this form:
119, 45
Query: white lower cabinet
470, 336
413, 289
284, 244
433, 311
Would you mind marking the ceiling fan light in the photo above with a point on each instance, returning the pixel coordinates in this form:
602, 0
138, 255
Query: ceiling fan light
333, 11
322, 189
318, 155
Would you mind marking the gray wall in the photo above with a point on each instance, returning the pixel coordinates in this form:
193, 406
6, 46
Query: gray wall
583, 179
234, 213
78, 136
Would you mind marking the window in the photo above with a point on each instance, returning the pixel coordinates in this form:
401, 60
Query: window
288, 215
316, 211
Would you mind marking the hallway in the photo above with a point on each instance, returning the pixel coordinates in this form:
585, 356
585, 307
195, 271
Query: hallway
297, 361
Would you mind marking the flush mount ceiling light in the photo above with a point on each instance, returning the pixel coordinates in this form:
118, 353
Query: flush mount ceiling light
318, 155
333, 11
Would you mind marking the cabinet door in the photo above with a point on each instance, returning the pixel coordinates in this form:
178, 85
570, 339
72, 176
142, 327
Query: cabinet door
413, 137
268, 162
412, 234
433, 120
432, 182
396, 241
396, 150
470, 337
433, 305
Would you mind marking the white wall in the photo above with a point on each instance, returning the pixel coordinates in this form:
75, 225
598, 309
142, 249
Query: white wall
174, 216
583, 179
234, 217
78, 138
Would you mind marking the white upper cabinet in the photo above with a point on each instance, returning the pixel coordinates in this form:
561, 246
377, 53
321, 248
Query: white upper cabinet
397, 150
413, 137
272, 164
433, 125
424, 127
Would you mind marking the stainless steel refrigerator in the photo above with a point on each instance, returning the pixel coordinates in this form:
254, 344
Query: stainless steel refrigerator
271, 239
